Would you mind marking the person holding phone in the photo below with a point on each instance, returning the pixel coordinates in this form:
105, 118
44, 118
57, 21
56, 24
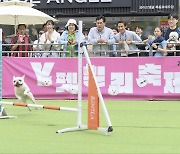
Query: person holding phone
21, 42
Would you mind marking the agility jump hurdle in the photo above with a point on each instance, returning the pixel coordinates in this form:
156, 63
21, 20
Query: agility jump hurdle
38, 106
94, 97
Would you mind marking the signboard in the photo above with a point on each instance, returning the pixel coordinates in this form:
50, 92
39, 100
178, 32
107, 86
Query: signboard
48, 4
114, 7
146, 78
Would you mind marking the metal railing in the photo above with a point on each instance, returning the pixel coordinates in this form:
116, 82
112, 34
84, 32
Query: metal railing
102, 53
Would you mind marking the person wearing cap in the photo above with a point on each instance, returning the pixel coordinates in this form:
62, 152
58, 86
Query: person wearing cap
101, 37
69, 39
21, 42
48, 41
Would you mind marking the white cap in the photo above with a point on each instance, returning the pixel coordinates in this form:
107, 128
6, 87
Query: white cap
71, 21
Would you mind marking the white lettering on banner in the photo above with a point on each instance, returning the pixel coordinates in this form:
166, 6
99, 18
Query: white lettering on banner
172, 84
69, 82
79, 1
176, 82
43, 73
151, 74
92, 107
99, 72
121, 83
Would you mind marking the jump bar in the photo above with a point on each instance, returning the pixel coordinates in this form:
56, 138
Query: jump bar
39, 106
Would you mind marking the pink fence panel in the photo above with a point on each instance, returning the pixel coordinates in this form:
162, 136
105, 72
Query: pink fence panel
141, 78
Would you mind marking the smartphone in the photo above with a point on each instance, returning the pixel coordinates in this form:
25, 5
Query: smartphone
21, 38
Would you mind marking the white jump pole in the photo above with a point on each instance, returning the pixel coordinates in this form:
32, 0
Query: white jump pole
40, 106
79, 116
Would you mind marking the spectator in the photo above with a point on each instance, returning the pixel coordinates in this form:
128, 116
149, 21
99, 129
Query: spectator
5, 47
69, 39
127, 40
172, 22
113, 47
139, 32
88, 46
60, 30
115, 30
101, 37
33, 34
86, 36
36, 45
159, 43
49, 39
44, 27
21, 42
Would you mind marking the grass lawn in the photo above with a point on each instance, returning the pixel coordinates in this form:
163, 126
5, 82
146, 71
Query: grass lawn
140, 127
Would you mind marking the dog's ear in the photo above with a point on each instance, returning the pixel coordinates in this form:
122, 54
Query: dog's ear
23, 76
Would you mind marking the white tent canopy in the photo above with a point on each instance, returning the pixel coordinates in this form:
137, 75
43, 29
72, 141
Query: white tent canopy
16, 12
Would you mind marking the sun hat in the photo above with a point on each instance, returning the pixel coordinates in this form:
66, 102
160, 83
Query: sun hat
71, 21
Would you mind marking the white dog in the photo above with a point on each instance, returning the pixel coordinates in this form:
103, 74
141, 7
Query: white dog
22, 91
173, 38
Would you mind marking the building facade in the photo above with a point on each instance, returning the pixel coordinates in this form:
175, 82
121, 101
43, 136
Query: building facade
147, 13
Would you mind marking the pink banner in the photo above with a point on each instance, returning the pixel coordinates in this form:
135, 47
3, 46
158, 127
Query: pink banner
141, 78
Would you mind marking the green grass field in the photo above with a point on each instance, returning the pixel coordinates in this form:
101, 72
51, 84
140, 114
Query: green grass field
140, 127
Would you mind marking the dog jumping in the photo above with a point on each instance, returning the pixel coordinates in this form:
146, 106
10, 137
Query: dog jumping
22, 91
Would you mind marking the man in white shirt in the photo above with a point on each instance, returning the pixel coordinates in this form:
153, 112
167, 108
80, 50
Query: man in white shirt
127, 40
101, 37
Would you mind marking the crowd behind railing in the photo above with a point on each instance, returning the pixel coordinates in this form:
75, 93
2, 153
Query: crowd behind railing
148, 52
100, 41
